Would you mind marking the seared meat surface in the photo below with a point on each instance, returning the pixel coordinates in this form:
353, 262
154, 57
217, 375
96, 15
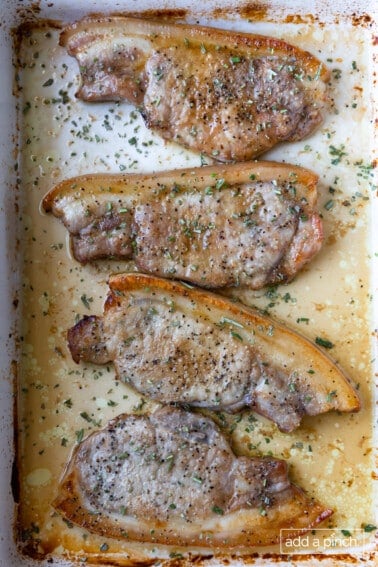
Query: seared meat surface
171, 477
252, 224
186, 346
230, 95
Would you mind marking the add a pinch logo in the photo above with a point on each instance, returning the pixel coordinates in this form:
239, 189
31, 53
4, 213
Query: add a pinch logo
325, 541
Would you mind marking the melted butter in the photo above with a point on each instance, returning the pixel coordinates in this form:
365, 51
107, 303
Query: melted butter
60, 402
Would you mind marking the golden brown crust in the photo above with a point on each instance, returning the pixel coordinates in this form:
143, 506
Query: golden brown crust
69, 505
189, 83
232, 173
293, 511
120, 216
163, 33
327, 375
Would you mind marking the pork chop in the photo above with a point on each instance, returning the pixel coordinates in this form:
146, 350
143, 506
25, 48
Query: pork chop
171, 477
250, 224
227, 94
187, 346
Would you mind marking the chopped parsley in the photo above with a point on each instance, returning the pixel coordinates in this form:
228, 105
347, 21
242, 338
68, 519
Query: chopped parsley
86, 300
337, 153
369, 527
79, 435
331, 395
325, 343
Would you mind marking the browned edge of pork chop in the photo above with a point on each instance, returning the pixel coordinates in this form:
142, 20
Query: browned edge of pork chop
171, 477
228, 94
180, 345
251, 224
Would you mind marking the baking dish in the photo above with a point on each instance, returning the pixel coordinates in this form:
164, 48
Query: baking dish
46, 136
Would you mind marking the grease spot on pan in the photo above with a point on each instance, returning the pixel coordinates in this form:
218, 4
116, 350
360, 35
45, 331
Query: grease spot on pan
39, 477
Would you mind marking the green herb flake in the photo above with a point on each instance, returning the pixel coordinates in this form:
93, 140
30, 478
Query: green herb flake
325, 343
203, 159
48, 83
217, 510
329, 205
369, 527
79, 435
220, 184
231, 322
86, 300
303, 320
331, 395
336, 74
85, 416
365, 169
318, 72
338, 153
236, 336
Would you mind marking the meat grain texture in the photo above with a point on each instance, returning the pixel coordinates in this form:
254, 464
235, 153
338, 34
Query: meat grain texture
229, 95
171, 477
250, 224
185, 346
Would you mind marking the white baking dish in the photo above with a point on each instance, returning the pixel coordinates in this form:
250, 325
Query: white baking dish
347, 28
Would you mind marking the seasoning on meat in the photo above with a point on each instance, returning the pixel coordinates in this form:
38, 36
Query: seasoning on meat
198, 492
227, 94
187, 346
250, 224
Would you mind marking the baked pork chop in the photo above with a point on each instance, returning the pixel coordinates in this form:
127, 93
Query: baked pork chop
229, 95
187, 346
172, 478
250, 224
